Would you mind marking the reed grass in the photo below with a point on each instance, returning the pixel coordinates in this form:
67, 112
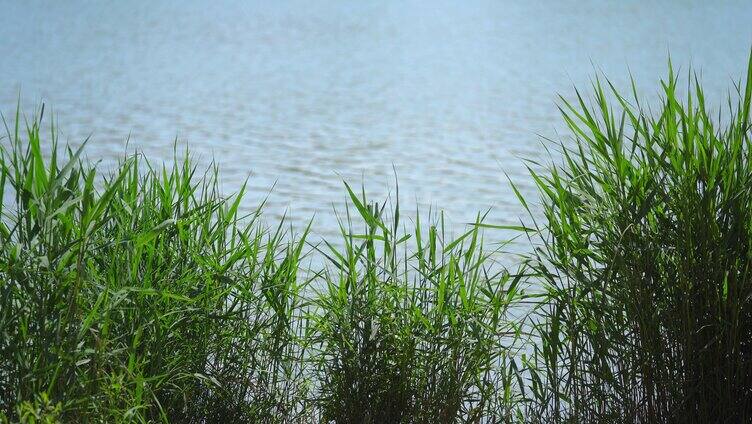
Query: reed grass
143, 294
646, 261
415, 326
140, 295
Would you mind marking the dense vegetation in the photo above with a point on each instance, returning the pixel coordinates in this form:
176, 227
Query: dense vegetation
144, 295
646, 259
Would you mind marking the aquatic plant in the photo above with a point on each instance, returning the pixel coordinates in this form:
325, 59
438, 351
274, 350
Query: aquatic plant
141, 295
415, 326
645, 255
144, 295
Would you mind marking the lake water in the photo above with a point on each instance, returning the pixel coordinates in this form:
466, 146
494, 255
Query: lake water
301, 95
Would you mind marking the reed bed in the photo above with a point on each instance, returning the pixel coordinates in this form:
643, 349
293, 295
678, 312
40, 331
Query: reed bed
140, 295
413, 326
143, 294
646, 261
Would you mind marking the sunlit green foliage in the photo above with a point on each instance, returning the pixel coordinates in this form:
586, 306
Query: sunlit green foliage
646, 258
144, 295
141, 295
414, 327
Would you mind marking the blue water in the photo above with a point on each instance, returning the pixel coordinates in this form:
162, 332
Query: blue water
300, 95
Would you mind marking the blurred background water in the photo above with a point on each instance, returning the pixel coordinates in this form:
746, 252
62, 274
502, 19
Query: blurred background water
301, 95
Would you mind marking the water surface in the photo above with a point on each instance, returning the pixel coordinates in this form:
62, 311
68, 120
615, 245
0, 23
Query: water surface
300, 95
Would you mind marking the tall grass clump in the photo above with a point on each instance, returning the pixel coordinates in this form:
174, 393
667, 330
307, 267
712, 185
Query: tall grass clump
143, 295
646, 259
413, 325
139, 295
